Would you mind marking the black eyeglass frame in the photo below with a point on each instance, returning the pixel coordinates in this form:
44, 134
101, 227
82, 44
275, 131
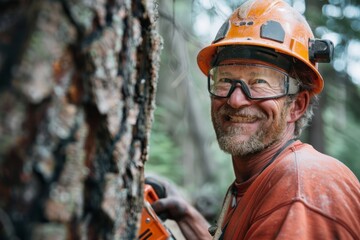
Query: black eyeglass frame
245, 89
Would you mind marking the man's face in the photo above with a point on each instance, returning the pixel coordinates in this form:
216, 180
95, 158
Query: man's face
244, 126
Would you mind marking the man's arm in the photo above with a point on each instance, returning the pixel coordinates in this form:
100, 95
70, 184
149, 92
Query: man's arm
191, 223
171, 205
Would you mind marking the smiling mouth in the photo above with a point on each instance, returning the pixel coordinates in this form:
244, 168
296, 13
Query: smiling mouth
241, 118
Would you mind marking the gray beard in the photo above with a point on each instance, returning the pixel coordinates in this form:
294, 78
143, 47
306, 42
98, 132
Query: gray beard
227, 142
263, 138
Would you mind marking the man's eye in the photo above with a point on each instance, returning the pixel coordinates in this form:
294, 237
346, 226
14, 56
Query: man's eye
224, 80
259, 81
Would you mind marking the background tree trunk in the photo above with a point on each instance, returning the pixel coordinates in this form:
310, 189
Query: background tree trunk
177, 94
78, 83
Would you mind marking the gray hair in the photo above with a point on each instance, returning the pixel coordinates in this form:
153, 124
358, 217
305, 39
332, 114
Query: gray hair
305, 119
305, 85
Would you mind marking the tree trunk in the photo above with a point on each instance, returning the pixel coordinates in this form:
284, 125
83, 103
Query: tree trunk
77, 90
315, 132
177, 90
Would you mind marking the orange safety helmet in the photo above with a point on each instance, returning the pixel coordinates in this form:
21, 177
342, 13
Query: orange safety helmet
271, 25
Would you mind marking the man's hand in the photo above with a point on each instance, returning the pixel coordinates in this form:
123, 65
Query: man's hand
172, 206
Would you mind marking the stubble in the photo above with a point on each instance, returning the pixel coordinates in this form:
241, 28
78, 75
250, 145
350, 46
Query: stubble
267, 133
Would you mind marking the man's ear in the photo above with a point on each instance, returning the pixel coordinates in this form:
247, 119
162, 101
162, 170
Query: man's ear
298, 106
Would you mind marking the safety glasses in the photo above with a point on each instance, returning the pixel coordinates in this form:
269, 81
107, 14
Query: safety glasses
256, 81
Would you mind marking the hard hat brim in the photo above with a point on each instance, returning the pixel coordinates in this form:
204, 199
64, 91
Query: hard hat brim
206, 55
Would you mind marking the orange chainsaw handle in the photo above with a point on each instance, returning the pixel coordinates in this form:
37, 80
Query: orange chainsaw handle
151, 227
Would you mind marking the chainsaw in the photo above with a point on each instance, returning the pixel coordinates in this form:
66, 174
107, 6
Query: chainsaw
152, 227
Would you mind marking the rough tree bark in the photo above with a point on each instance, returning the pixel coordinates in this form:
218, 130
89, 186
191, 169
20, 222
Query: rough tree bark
77, 90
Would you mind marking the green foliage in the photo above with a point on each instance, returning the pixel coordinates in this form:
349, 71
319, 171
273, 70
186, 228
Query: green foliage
164, 154
342, 139
341, 124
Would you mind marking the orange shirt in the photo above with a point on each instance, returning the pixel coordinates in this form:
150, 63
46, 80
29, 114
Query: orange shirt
303, 194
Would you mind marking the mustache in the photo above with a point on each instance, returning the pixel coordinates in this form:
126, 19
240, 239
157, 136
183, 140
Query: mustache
244, 112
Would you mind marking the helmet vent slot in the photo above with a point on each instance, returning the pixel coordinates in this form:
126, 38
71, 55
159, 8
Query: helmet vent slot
272, 30
222, 31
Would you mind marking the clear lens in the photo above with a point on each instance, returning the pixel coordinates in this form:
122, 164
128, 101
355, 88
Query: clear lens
256, 81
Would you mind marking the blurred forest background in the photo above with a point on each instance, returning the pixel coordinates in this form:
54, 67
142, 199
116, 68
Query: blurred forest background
183, 146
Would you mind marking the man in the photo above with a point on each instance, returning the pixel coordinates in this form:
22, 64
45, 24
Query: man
263, 79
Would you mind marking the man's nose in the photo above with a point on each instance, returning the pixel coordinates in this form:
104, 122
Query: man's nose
238, 98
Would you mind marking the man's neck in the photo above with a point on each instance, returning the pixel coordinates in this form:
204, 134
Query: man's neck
248, 166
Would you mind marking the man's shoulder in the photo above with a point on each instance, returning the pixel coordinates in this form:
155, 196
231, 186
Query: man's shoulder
307, 171
320, 182
323, 184
307, 164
